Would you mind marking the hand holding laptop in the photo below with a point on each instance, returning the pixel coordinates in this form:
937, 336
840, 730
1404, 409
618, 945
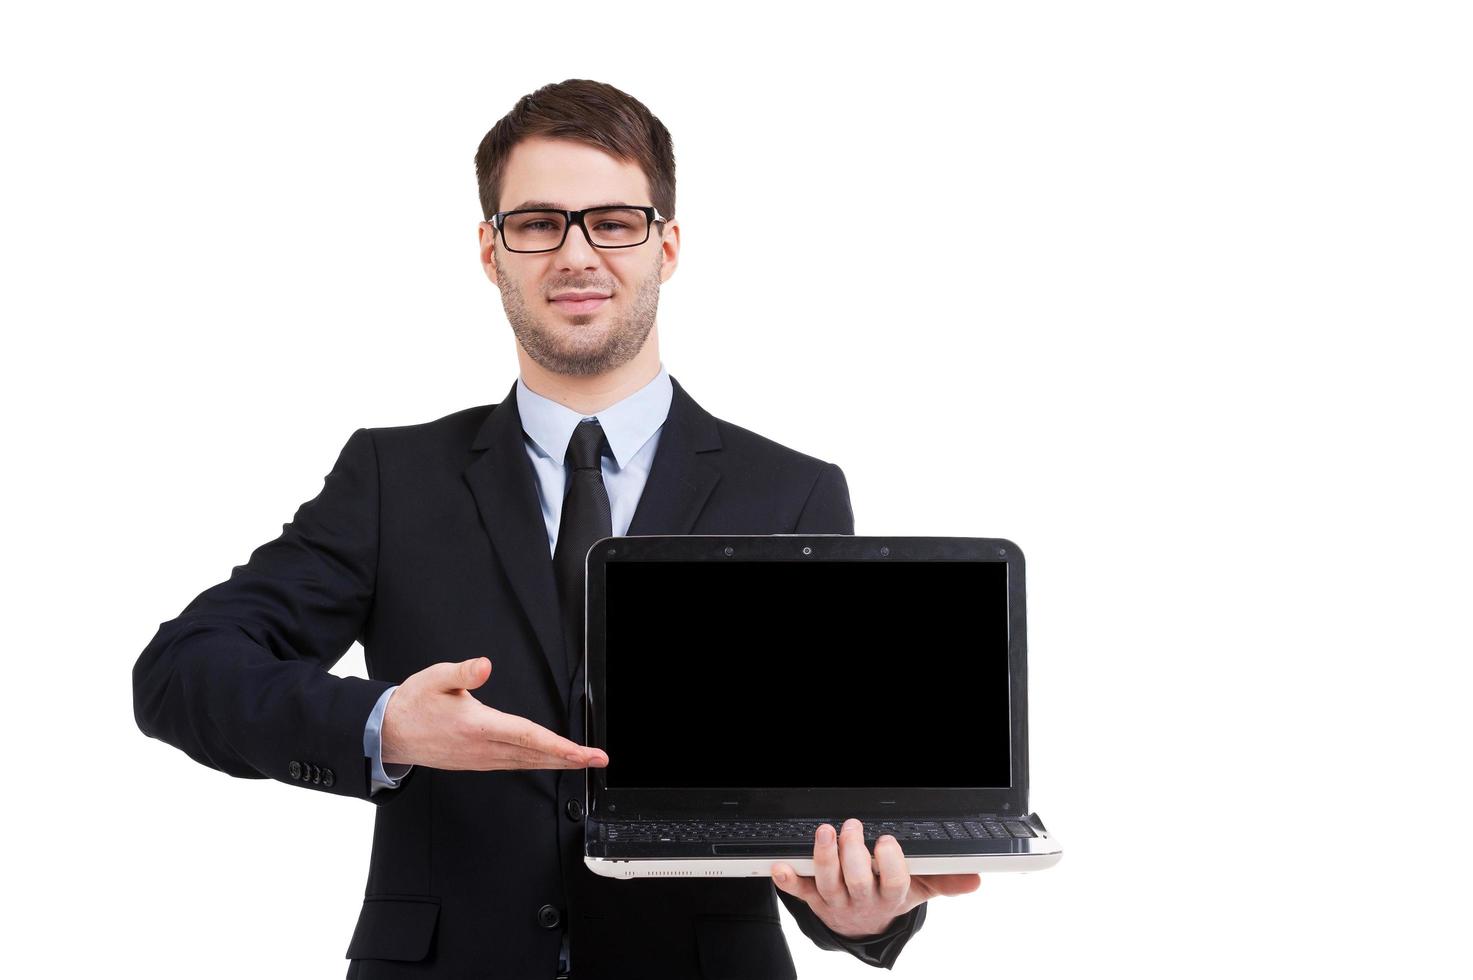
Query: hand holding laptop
856, 899
433, 720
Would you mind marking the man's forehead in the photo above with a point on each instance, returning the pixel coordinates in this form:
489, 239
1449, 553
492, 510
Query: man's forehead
567, 175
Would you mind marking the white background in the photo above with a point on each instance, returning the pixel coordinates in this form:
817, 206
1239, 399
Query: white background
1174, 295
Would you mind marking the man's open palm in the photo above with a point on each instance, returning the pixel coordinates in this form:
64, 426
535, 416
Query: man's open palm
433, 720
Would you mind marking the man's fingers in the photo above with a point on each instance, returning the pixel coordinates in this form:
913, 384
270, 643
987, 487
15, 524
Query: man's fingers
535, 742
791, 882
826, 874
954, 884
510, 757
854, 857
894, 874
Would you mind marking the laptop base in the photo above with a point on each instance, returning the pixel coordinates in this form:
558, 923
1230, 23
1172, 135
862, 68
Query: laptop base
762, 868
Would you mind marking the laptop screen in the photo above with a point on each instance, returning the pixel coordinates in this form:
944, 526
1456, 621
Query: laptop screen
766, 674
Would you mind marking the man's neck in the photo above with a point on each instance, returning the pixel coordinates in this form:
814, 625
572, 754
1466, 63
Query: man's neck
591, 394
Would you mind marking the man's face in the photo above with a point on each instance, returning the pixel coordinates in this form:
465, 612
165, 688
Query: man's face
563, 337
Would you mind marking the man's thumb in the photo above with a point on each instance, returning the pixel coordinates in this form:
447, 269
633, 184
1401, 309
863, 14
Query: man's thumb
473, 672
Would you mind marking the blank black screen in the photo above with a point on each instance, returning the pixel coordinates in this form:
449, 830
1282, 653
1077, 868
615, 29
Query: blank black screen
807, 674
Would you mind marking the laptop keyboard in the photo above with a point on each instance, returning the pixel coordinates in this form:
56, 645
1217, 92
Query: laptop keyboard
803, 831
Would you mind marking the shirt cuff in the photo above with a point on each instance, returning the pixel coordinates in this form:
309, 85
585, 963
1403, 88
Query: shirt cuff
380, 776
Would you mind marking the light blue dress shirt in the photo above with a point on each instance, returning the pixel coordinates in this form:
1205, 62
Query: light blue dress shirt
632, 427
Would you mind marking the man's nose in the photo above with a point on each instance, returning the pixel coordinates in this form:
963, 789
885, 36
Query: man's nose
577, 250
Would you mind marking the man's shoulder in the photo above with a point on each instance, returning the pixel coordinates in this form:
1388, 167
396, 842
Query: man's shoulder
444, 426
708, 432
798, 491
738, 445
743, 443
449, 436
758, 464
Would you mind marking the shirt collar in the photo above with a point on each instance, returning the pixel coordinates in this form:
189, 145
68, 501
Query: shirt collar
628, 423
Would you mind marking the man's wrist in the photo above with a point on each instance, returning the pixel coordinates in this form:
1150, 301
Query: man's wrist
381, 775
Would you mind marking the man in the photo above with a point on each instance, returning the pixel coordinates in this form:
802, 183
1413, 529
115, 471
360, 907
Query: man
449, 549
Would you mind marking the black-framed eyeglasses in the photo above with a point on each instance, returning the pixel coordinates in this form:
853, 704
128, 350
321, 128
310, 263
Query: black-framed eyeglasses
545, 229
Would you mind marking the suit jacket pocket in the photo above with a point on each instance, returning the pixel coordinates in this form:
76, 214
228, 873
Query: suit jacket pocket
734, 948
399, 927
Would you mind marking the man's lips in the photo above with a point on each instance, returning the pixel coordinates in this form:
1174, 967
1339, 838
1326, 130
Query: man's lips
579, 302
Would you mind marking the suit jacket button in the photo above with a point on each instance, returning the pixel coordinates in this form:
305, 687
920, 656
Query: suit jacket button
548, 917
295, 769
575, 810
316, 775
327, 777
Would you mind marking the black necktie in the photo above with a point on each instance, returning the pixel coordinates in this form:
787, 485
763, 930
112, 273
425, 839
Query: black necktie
586, 518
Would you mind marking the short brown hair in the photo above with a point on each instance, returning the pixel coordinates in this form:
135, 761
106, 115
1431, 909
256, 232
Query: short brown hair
589, 112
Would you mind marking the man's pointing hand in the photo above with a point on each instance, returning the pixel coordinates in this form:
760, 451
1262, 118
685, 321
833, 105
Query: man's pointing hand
433, 720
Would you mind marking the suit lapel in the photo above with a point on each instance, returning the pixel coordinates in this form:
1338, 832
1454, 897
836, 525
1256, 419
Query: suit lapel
503, 482
680, 480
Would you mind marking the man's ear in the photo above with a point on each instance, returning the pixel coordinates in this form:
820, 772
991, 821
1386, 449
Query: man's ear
486, 238
670, 247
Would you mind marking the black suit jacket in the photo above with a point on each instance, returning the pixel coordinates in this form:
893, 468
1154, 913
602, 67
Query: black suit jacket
427, 544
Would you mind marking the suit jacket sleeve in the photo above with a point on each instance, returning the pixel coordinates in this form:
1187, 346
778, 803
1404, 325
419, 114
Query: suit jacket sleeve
827, 511
239, 680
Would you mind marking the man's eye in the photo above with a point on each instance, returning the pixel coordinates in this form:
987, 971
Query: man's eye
611, 224
536, 225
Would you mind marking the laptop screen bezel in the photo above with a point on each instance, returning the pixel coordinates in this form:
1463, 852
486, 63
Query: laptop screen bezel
605, 802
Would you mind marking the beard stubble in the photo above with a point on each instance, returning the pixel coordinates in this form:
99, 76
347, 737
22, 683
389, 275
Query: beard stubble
573, 345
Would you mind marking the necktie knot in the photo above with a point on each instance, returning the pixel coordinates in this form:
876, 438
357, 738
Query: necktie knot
586, 446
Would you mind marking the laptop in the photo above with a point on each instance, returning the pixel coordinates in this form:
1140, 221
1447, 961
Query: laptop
748, 688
